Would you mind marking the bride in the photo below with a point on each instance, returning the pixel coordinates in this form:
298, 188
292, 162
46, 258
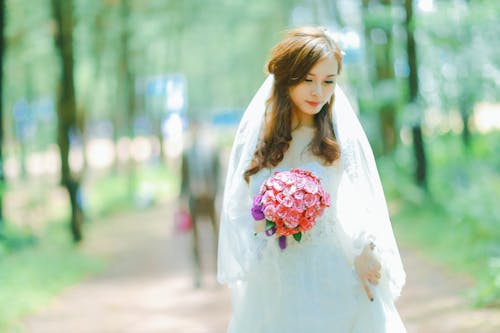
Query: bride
346, 272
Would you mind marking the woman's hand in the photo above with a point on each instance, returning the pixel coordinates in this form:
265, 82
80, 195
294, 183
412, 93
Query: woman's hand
259, 226
368, 268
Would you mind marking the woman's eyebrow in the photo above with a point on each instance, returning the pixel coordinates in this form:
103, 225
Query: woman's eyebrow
330, 75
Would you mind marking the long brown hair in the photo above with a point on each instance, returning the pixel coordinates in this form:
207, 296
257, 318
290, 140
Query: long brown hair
291, 60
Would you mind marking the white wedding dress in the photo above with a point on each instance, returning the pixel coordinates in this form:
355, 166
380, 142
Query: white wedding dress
310, 287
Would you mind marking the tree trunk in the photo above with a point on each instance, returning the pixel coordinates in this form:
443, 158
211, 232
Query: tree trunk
384, 69
418, 142
387, 119
420, 159
66, 109
2, 53
128, 89
466, 135
332, 7
378, 39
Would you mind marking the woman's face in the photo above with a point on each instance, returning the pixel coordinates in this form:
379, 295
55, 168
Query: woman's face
309, 96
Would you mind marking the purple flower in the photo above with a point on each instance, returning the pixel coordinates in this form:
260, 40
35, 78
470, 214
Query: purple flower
257, 200
271, 231
257, 211
282, 242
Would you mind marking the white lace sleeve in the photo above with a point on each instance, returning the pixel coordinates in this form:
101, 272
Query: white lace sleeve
362, 208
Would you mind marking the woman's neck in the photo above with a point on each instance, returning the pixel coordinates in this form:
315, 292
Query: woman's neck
300, 119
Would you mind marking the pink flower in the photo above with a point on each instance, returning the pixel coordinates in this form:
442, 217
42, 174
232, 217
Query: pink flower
270, 212
291, 201
279, 175
268, 198
290, 190
292, 219
300, 182
299, 205
326, 199
287, 202
281, 211
309, 200
289, 178
311, 187
280, 197
310, 212
291, 224
299, 195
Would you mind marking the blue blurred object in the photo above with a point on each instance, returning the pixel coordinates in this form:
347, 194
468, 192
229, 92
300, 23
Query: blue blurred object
142, 126
227, 117
22, 118
170, 88
44, 109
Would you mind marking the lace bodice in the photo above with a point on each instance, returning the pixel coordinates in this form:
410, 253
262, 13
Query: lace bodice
298, 155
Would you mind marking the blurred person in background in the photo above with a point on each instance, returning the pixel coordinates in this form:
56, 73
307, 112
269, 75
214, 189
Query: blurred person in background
199, 186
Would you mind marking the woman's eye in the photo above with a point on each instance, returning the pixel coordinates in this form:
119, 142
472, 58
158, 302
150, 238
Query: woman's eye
329, 82
308, 80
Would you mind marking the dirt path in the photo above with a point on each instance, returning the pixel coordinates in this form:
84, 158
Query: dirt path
435, 300
148, 288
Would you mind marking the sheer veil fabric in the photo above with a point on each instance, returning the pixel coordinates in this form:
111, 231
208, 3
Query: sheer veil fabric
362, 208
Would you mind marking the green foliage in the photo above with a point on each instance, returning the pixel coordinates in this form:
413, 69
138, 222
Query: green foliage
379, 17
457, 222
297, 236
270, 224
102, 195
488, 290
110, 193
223, 59
14, 239
457, 59
31, 277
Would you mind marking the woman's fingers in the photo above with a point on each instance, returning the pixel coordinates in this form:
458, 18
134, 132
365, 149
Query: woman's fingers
367, 289
374, 275
368, 269
373, 280
375, 267
259, 226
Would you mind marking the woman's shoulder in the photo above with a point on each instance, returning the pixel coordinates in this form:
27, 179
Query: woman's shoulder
256, 180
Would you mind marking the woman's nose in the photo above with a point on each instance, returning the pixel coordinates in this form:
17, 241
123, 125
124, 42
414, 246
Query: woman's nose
316, 91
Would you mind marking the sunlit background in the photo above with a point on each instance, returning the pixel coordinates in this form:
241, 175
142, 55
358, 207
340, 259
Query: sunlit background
423, 74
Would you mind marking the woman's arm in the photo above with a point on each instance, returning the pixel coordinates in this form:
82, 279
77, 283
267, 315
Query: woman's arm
368, 267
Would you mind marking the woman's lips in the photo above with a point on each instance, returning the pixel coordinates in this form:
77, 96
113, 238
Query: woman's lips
313, 104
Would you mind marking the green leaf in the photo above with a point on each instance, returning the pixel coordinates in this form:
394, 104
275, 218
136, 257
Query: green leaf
269, 224
297, 236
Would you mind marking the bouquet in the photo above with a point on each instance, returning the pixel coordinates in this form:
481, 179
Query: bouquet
290, 202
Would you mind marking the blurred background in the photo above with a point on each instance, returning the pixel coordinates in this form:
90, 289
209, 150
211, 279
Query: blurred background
100, 98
